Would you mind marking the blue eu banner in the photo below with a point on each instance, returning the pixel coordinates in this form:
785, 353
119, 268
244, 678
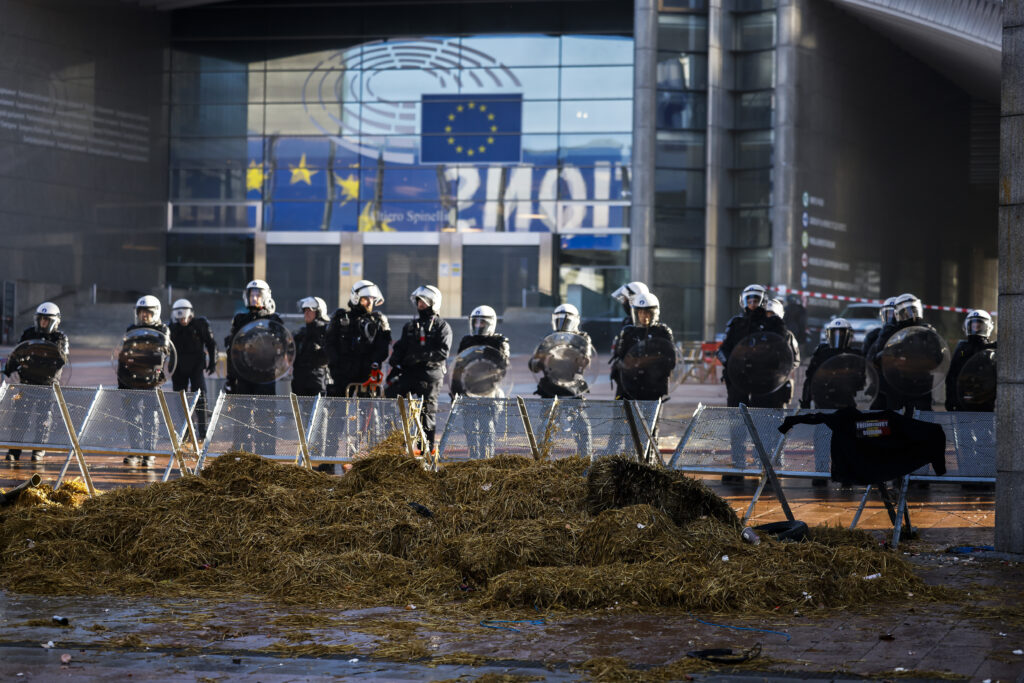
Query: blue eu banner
471, 128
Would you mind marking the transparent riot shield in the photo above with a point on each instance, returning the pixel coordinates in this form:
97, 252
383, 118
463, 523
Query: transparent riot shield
645, 371
480, 371
976, 385
760, 363
39, 362
262, 351
915, 361
563, 358
145, 359
846, 380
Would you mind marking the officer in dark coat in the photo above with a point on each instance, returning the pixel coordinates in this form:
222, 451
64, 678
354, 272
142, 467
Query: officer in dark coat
645, 309
258, 300
753, 319
309, 372
418, 358
838, 336
781, 397
358, 341
142, 435
623, 295
196, 351
907, 312
47, 319
479, 420
978, 328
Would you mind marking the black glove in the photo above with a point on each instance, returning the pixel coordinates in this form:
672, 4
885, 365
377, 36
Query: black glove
211, 367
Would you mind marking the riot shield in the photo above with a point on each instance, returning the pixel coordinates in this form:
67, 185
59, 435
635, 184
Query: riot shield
39, 362
847, 380
145, 359
645, 370
480, 371
760, 363
262, 351
564, 360
976, 385
915, 361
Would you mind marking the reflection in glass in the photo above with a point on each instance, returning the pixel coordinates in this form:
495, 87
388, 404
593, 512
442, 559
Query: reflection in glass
603, 81
754, 110
680, 149
215, 120
679, 188
682, 32
753, 148
682, 71
752, 188
755, 71
592, 50
581, 116
754, 31
681, 110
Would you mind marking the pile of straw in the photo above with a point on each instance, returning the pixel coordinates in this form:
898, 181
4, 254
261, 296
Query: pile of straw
505, 532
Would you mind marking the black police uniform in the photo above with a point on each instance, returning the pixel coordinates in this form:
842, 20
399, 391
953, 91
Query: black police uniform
309, 372
888, 396
740, 326
40, 411
142, 434
417, 365
357, 344
546, 388
821, 354
236, 384
655, 385
572, 412
479, 420
614, 374
123, 374
196, 351
963, 352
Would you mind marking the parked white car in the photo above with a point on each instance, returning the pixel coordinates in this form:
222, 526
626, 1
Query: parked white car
863, 318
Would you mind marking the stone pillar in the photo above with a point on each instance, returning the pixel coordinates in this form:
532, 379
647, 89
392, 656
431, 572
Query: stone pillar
645, 75
1009, 407
717, 221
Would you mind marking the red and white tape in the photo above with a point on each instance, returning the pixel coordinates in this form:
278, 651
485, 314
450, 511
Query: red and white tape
782, 289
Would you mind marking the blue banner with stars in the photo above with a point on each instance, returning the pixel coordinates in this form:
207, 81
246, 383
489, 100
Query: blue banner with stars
471, 129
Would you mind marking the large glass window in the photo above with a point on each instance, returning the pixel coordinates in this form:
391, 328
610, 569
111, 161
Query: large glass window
300, 270
215, 263
497, 276
399, 272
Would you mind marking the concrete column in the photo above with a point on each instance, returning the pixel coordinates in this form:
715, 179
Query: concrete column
645, 80
1009, 426
784, 190
717, 220
259, 256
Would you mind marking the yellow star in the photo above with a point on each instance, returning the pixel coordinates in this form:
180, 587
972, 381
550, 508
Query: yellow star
349, 188
451, 141
472, 105
490, 117
494, 129
469, 152
483, 107
367, 221
490, 141
459, 149
254, 177
302, 173
447, 129
482, 149
459, 108
451, 117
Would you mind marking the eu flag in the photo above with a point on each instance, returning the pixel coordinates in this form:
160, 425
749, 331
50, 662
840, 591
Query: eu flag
471, 128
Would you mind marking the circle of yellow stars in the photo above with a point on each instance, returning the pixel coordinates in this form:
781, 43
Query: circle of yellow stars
469, 150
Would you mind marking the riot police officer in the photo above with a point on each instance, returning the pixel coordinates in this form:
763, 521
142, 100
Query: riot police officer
754, 318
418, 357
358, 340
147, 317
479, 420
978, 329
645, 327
309, 372
781, 397
566, 318
196, 351
885, 314
257, 298
907, 312
623, 295
838, 337
47, 320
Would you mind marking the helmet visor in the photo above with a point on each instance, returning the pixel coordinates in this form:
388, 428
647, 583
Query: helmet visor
564, 322
979, 326
255, 298
145, 315
181, 315
481, 326
910, 310
838, 337
45, 323
645, 317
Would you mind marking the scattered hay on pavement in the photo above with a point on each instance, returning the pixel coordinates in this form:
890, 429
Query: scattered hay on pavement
508, 532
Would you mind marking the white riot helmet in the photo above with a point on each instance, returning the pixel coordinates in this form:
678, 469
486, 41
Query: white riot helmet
430, 294
839, 333
49, 310
978, 322
316, 304
907, 307
148, 303
565, 318
886, 313
627, 291
775, 307
758, 292
645, 302
256, 295
482, 321
365, 288
182, 311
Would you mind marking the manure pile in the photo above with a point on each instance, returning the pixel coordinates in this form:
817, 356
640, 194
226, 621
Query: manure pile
505, 532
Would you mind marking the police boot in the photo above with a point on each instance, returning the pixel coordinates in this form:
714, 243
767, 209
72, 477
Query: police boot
148, 460
13, 454
131, 460
37, 456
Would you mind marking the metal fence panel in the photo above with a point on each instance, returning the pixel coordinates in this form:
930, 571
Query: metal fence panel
263, 425
30, 416
970, 445
807, 450
595, 429
718, 441
130, 421
484, 427
346, 428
